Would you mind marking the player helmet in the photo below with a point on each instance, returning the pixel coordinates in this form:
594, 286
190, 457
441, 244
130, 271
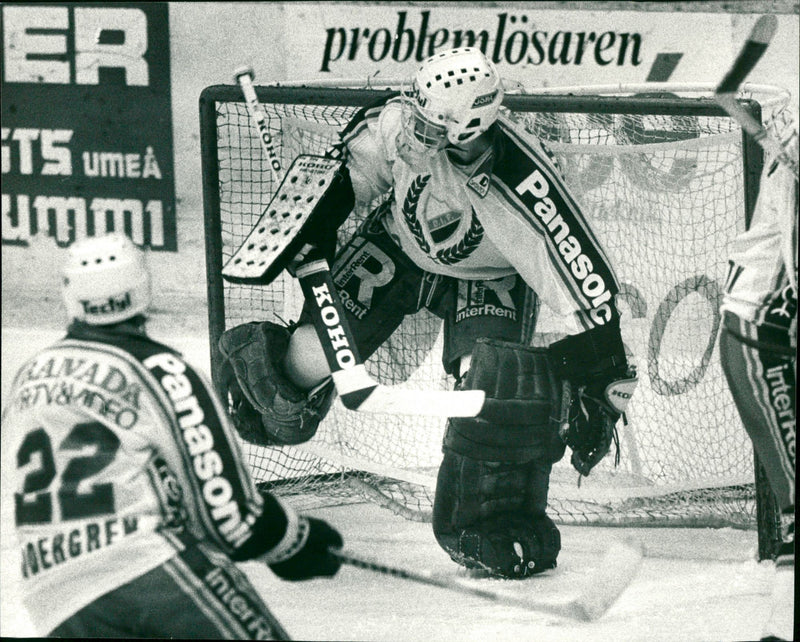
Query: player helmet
106, 280
453, 98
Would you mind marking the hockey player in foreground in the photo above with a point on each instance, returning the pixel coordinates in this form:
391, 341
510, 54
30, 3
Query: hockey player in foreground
758, 352
133, 504
479, 228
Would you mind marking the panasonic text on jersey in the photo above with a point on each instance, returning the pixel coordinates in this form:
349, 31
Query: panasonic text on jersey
207, 463
592, 284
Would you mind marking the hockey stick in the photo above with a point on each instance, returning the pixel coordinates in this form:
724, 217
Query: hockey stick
357, 389
725, 93
244, 77
600, 590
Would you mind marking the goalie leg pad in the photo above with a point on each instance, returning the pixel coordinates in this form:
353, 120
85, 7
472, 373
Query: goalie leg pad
519, 420
491, 515
268, 409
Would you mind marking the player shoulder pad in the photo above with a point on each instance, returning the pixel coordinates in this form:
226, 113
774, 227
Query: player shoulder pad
364, 116
383, 124
514, 132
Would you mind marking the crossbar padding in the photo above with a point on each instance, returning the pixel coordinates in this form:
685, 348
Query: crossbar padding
305, 184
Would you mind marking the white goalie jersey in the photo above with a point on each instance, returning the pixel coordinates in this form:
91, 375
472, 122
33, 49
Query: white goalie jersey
509, 211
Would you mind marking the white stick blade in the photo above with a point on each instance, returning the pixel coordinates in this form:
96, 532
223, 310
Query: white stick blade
432, 403
617, 569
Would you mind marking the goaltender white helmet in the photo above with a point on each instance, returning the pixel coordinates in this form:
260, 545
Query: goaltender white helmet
456, 94
106, 280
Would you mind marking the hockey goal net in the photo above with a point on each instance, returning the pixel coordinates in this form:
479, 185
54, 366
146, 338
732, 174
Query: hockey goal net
667, 182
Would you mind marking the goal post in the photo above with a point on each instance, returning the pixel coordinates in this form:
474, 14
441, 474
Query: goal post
667, 181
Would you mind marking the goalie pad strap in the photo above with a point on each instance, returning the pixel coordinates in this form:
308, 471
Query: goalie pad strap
517, 422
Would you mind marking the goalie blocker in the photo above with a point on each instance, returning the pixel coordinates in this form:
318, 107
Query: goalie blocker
598, 384
309, 205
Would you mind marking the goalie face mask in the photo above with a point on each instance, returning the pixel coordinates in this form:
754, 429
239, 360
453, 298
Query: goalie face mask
419, 140
459, 90
429, 136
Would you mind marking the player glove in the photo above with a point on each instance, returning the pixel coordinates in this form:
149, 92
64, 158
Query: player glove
310, 555
597, 384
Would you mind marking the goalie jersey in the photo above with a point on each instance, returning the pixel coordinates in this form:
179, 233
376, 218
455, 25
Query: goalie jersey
125, 458
509, 211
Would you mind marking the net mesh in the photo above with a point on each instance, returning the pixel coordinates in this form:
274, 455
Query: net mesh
665, 194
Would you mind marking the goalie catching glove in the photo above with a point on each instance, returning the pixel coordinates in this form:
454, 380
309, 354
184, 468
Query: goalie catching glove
597, 383
266, 407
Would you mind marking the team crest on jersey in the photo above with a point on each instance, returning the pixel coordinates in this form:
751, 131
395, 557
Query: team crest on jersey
441, 225
480, 179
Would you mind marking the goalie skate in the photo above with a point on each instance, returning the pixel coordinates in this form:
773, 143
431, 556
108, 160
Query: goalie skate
297, 207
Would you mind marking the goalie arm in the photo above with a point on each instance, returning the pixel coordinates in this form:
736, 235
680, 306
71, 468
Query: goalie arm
261, 259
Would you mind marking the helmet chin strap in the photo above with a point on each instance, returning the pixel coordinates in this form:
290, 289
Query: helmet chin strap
459, 155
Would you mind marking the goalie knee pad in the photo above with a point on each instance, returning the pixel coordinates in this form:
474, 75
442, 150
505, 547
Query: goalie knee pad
267, 408
518, 421
491, 491
491, 515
